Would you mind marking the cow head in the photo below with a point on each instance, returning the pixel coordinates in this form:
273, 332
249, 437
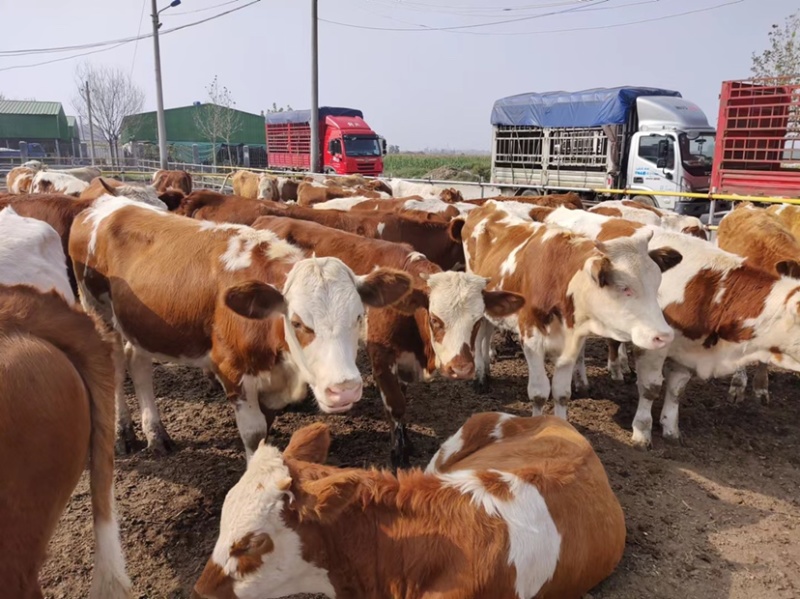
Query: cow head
268, 188
323, 320
279, 500
622, 291
145, 194
456, 304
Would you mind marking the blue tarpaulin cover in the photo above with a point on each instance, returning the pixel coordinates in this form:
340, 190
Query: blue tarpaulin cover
304, 116
588, 108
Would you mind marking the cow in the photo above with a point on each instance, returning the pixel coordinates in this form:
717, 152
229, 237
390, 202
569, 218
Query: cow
254, 186
31, 253
46, 181
359, 181
310, 193
510, 508
761, 237
650, 215
56, 412
789, 216
573, 286
266, 320
437, 332
431, 237
180, 180
100, 186
432, 207
287, 189
35, 165
19, 179
568, 200
84, 173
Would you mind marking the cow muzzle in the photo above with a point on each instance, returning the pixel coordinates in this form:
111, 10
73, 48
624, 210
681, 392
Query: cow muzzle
459, 369
653, 339
341, 396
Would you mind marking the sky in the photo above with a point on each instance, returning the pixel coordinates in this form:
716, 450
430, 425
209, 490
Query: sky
419, 85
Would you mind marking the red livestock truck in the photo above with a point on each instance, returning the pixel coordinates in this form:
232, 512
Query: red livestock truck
757, 149
348, 144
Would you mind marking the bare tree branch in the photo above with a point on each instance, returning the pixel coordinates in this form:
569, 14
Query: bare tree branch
782, 58
218, 119
114, 96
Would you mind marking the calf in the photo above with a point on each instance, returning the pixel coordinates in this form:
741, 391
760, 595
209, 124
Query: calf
649, 215
573, 286
207, 295
49, 426
438, 330
511, 508
19, 179
759, 236
31, 253
46, 181
180, 180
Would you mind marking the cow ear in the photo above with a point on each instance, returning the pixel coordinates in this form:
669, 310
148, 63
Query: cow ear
325, 498
309, 444
455, 228
666, 258
502, 303
601, 271
418, 298
788, 268
538, 214
254, 299
383, 287
111, 190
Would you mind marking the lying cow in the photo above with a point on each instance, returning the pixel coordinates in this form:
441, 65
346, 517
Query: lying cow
179, 180
49, 427
510, 508
47, 181
573, 286
208, 295
437, 332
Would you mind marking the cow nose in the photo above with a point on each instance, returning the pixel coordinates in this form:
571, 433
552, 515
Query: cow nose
661, 340
344, 394
463, 370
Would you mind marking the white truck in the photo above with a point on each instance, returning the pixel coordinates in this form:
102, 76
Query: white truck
637, 138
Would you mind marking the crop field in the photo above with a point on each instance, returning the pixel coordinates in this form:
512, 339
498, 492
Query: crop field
416, 166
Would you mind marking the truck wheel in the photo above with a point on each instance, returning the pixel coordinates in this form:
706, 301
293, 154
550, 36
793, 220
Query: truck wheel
647, 200
328, 171
530, 193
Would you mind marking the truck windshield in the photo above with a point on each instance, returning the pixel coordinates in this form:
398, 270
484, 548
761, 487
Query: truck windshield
697, 152
361, 146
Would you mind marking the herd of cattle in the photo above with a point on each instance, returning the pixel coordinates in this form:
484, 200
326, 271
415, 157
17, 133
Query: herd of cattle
270, 290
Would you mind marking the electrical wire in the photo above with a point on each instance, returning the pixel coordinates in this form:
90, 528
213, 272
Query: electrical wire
32, 51
138, 31
425, 28
189, 12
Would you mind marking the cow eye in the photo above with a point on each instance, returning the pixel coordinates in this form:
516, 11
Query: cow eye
436, 324
626, 291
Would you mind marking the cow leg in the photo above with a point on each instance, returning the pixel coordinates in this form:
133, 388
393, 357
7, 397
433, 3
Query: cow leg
649, 378
736, 391
677, 378
394, 401
563, 372
250, 420
761, 383
580, 382
483, 346
614, 365
126, 441
538, 383
623, 359
141, 369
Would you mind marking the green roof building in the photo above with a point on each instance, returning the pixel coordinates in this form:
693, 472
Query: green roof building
38, 122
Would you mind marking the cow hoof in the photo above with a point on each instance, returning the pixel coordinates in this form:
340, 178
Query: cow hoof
582, 391
402, 450
127, 443
481, 386
673, 439
617, 376
161, 445
736, 395
763, 396
640, 441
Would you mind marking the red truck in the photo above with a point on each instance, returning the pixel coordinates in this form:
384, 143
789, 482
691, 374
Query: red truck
348, 144
757, 149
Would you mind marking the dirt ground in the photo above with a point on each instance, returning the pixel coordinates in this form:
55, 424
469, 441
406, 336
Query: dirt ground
718, 517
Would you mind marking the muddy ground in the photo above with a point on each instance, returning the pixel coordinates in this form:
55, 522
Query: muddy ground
718, 517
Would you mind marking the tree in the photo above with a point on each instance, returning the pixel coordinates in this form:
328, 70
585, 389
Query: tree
782, 58
393, 149
218, 120
276, 108
113, 96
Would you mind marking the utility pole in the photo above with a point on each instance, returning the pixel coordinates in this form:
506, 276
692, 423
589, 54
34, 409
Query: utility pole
91, 125
162, 127
315, 142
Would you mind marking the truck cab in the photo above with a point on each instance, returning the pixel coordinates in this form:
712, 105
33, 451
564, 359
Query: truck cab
351, 146
673, 150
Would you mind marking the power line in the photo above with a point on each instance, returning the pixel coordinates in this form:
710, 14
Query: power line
138, 31
425, 28
32, 51
189, 12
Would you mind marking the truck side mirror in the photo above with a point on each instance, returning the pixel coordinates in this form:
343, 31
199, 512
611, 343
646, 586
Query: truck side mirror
663, 153
335, 146
383, 145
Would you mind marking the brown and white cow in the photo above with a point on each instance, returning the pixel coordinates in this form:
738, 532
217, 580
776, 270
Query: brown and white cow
19, 179
56, 412
573, 286
180, 180
310, 193
789, 216
761, 237
204, 204
47, 181
148, 194
431, 207
511, 508
359, 181
208, 295
84, 173
256, 186
650, 215
438, 329
553, 200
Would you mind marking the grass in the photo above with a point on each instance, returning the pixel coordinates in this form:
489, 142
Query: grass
417, 166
